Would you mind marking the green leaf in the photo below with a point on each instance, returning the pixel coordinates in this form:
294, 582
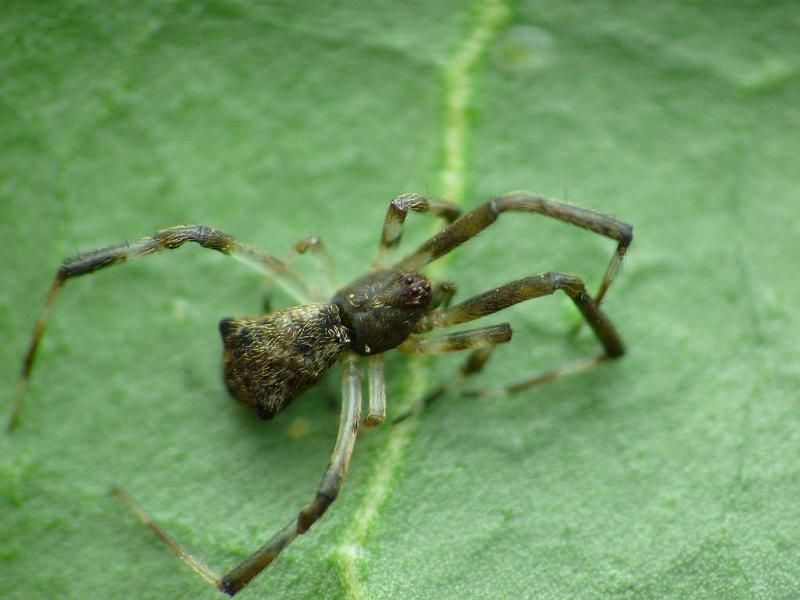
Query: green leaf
673, 472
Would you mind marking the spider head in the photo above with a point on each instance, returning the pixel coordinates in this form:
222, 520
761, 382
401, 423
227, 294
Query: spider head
381, 308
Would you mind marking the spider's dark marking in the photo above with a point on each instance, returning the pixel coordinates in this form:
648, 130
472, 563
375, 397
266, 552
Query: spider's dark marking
271, 359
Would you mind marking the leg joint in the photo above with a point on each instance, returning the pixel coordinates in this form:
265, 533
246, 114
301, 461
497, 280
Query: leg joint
314, 511
406, 202
206, 237
625, 234
570, 284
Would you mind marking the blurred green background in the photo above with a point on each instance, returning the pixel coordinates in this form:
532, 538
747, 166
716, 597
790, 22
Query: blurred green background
671, 473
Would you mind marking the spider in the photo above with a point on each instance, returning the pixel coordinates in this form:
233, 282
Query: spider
269, 360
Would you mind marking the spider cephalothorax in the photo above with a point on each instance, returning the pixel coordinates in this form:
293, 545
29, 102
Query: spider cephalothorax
382, 307
271, 359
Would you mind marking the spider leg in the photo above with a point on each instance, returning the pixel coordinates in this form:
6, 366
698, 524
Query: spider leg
570, 369
442, 295
323, 260
319, 251
474, 364
482, 341
460, 340
166, 239
327, 491
396, 217
377, 392
527, 289
198, 567
328, 488
478, 219
512, 293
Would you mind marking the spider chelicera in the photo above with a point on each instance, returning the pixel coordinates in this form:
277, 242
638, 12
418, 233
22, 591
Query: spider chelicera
269, 360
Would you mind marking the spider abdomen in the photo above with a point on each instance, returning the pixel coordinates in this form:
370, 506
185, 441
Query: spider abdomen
270, 360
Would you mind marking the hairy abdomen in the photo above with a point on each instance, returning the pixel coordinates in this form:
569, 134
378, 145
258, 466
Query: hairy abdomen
270, 360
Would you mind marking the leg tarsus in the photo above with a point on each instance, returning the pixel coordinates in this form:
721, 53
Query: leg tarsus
198, 567
396, 217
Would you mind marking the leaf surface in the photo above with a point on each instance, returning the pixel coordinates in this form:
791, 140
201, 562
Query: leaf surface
670, 473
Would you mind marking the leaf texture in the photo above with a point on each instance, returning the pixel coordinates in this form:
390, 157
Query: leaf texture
672, 473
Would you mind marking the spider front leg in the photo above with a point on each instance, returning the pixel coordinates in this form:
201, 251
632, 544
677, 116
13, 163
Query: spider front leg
327, 492
478, 219
441, 296
396, 217
457, 341
166, 239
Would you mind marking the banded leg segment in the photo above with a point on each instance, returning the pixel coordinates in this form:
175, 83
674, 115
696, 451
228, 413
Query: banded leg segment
527, 289
166, 239
327, 491
477, 220
396, 217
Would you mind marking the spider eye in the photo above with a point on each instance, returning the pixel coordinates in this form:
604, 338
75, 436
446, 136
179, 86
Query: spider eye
416, 290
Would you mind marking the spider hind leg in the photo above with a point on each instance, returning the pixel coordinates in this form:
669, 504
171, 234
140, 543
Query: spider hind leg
327, 491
